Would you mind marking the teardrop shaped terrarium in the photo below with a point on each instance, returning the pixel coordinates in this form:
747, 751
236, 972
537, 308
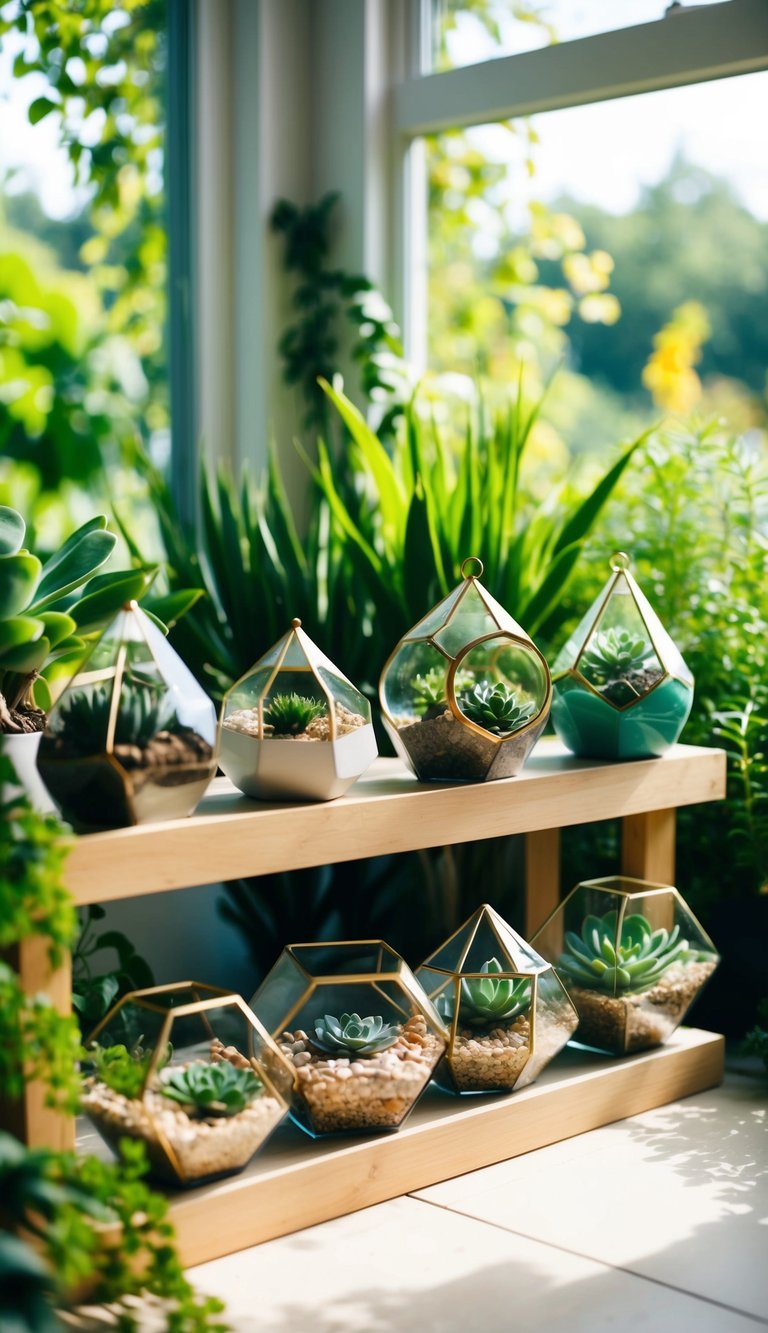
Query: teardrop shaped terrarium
466, 693
507, 1012
621, 689
294, 728
131, 740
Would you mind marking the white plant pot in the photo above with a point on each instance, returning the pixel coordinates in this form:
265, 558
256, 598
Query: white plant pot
290, 770
22, 752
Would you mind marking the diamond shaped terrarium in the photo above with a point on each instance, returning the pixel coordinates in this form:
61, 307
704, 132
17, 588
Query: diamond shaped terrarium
466, 693
507, 1012
294, 728
621, 687
363, 1037
633, 957
190, 1071
132, 738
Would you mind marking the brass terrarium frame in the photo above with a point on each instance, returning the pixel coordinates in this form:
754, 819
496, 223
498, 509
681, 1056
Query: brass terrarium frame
613, 887
515, 635
621, 566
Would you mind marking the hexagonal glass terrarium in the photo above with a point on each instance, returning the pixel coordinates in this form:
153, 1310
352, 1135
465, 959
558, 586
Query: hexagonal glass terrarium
189, 1070
466, 693
132, 738
633, 957
621, 689
363, 1037
506, 1009
294, 728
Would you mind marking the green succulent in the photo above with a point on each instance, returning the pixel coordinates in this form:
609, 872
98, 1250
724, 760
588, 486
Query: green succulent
354, 1035
614, 654
123, 1070
640, 958
496, 708
487, 999
291, 714
428, 690
217, 1089
144, 710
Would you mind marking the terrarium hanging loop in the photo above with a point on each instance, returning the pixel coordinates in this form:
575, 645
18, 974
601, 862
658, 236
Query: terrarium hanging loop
620, 562
466, 567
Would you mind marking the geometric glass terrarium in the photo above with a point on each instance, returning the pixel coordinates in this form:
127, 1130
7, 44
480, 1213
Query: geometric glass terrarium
507, 1011
466, 692
294, 728
132, 738
188, 1070
633, 957
362, 1035
621, 689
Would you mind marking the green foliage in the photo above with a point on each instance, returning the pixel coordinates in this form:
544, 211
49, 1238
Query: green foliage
613, 654
94, 991
428, 691
143, 710
599, 960
353, 1035
487, 1000
291, 714
121, 1069
496, 708
756, 1040
211, 1089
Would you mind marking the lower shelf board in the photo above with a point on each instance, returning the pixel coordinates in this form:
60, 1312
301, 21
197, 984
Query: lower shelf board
297, 1182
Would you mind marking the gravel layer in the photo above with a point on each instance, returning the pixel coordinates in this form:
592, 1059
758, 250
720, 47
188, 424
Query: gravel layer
246, 720
483, 1061
622, 1024
442, 749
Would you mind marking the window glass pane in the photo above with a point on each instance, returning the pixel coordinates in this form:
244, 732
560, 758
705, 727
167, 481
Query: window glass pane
465, 33
627, 240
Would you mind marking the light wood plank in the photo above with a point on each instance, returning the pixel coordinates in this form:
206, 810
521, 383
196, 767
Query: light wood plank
296, 1182
648, 846
38, 1125
542, 877
386, 811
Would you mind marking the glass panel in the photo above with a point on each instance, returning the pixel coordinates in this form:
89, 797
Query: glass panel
415, 684
470, 620
351, 705
618, 658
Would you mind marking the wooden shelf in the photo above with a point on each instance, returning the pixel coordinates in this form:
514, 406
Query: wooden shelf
386, 811
297, 1182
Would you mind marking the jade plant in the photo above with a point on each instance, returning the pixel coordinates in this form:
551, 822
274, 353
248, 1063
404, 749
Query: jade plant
598, 960
143, 710
211, 1089
496, 708
291, 714
487, 999
353, 1035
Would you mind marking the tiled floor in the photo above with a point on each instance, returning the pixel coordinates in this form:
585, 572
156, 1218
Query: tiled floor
654, 1224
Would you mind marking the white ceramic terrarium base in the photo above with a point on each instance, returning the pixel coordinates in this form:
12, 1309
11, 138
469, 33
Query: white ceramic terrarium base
293, 770
22, 752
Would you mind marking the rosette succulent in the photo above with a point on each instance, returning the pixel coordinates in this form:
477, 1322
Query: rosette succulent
598, 960
143, 710
613, 654
429, 690
291, 714
496, 708
488, 999
353, 1035
218, 1089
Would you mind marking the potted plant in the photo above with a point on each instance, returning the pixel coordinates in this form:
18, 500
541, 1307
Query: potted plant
362, 1036
132, 738
202, 1094
633, 957
294, 728
621, 689
466, 692
48, 612
508, 1014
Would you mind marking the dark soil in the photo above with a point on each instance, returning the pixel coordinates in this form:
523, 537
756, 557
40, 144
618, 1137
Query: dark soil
625, 689
20, 721
443, 750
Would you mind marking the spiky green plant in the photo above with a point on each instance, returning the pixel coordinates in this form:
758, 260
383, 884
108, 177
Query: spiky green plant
428, 690
143, 710
598, 959
353, 1035
488, 999
123, 1070
291, 714
614, 654
496, 708
217, 1089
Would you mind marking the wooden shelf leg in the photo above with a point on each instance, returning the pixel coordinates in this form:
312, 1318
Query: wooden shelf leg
38, 1125
648, 846
542, 877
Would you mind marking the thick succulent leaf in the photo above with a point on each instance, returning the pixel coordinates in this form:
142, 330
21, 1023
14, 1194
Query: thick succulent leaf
95, 609
80, 556
58, 627
167, 608
19, 575
27, 657
12, 529
634, 929
18, 631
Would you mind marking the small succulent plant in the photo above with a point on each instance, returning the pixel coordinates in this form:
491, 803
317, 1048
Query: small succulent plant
595, 959
144, 709
428, 691
218, 1089
121, 1069
354, 1035
614, 654
291, 714
488, 999
496, 708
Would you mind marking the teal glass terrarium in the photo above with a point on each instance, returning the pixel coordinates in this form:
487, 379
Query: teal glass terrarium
621, 689
361, 1034
506, 1010
466, 693
633, 957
